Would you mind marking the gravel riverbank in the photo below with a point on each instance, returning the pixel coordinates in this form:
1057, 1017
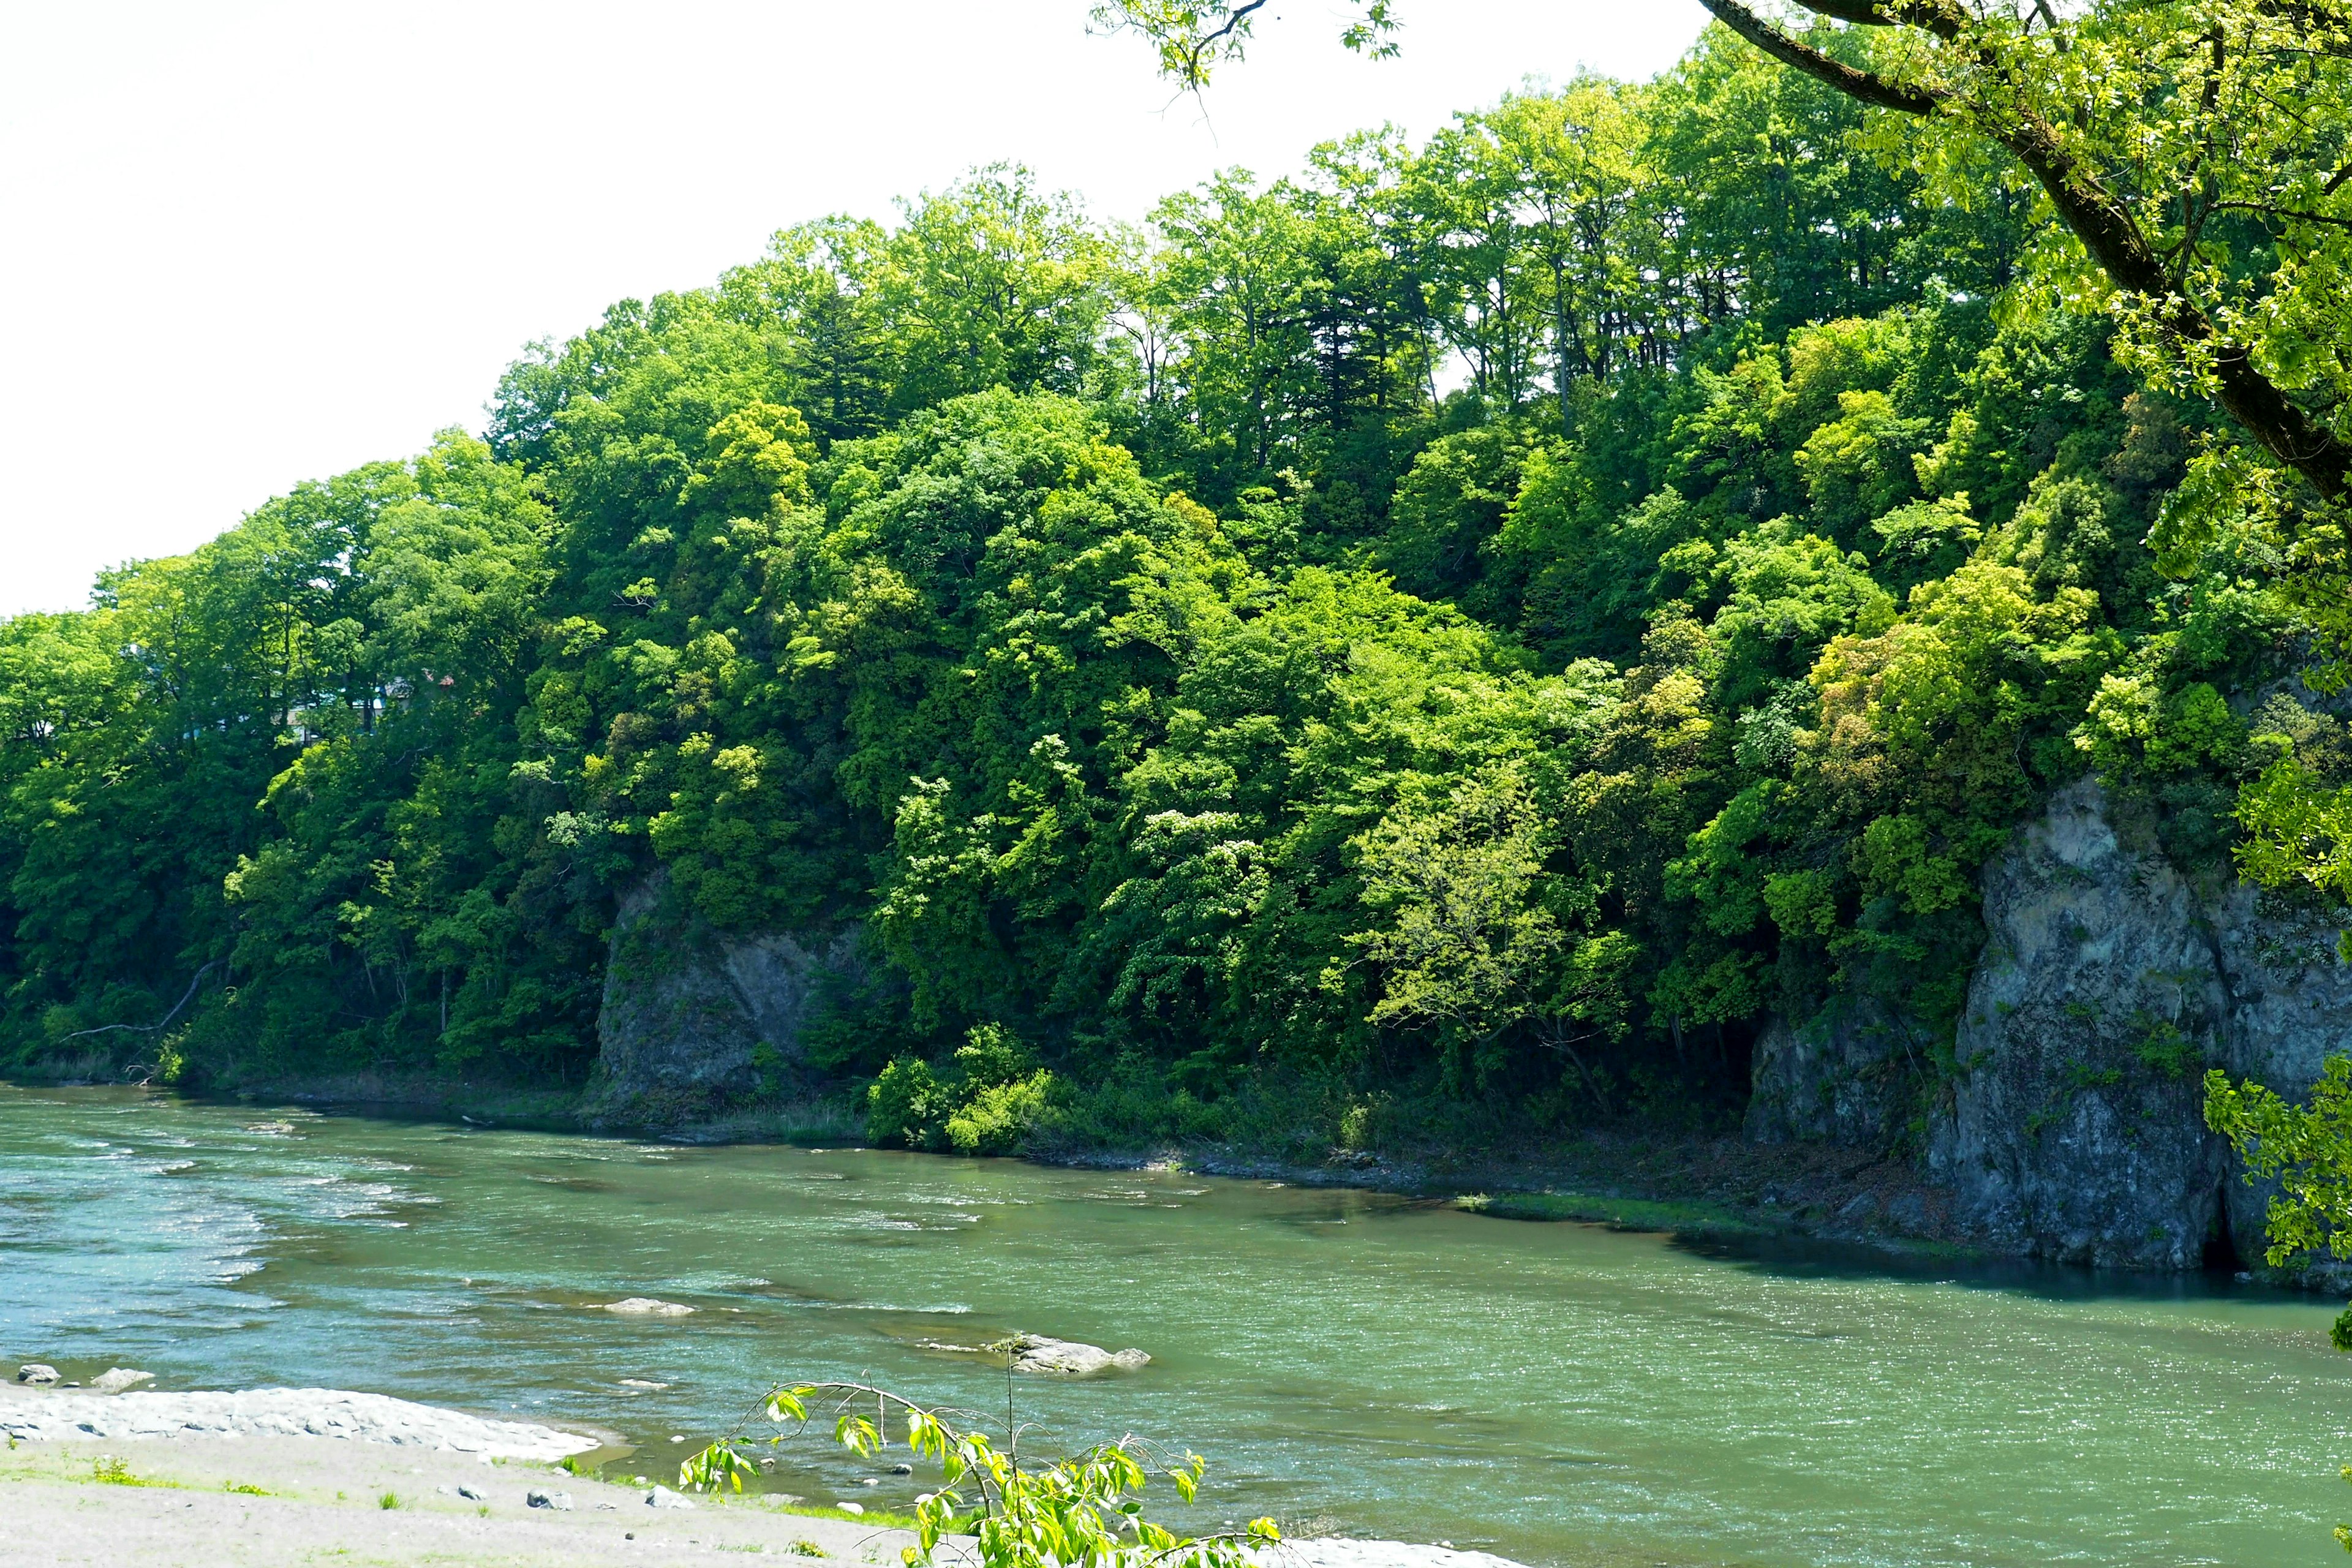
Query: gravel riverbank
35, 1414
168, 1479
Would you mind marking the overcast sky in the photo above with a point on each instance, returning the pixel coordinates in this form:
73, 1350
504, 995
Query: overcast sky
250, 242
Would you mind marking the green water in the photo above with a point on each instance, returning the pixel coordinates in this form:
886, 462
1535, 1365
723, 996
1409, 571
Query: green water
1558, 1393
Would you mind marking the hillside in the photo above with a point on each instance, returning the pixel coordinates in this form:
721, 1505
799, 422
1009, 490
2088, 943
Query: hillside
1466, 637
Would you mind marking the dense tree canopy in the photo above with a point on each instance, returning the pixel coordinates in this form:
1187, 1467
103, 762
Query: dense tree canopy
1491, 620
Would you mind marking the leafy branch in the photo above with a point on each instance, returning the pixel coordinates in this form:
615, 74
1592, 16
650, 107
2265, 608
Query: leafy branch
1080, 1511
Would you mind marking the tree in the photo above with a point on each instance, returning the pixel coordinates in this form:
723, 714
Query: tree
2222, 225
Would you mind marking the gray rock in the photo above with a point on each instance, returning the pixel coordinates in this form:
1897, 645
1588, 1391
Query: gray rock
116, 1379
469, 1494
559, 1501
33, 1373
902, 1470
1844, 1076
649, 1307
1068, 1358
2111, 979
687, 1008
662, 1497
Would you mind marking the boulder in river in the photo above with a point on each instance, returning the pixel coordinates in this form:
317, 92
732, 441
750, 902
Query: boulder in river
647, 1307
1068, 1358
114, 1380
32, 1372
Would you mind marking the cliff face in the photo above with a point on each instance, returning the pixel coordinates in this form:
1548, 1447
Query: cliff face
2111, 979
696, 1021
1844, 1078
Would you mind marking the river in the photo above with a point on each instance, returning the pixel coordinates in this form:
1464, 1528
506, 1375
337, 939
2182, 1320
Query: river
1559, 1394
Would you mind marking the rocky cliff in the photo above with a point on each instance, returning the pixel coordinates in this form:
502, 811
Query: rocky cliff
2111, 979
696, 1021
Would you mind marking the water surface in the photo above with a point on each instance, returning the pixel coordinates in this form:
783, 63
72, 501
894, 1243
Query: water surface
1559, 1394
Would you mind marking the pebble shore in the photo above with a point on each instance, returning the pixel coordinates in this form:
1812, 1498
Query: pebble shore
38, 1415
33, 1414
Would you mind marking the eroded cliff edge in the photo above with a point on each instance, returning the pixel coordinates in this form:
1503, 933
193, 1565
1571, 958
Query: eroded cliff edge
2068, 1119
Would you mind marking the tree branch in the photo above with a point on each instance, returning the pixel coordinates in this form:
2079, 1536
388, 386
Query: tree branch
156, 1028
2098, 218
1867, 86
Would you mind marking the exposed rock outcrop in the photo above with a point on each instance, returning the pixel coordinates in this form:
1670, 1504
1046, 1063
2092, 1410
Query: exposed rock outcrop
2111, 979
1843, 1077
697, 1021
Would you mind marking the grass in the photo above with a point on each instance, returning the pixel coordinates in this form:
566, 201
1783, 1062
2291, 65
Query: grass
244, 1489
807, 1549
109, 1471
871, 1516
388, 1501
1617, 1214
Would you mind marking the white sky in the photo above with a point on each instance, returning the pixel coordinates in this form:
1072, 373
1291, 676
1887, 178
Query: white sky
249, 243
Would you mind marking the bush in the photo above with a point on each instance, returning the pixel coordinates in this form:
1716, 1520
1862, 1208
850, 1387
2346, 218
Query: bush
990, 1101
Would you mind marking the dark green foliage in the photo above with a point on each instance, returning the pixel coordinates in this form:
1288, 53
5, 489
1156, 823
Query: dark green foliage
1140, 646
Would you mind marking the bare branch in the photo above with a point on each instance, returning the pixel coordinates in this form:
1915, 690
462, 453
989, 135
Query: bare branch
155, 1029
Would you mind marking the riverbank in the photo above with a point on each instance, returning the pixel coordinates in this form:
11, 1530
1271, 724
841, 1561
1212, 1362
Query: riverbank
274, 1475
175, 1504
30, 1415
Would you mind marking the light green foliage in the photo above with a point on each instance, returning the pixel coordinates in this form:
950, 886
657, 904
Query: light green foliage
989, 1101
1470, 627
2307, 1149
1080, 1511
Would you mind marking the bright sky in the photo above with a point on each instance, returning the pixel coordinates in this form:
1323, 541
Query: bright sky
252, 242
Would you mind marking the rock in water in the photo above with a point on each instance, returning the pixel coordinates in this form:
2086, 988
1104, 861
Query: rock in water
116, 1379
1068, 1358
32, 1372
647, 1307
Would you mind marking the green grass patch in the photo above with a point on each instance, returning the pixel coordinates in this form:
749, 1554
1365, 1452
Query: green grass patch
871, 1516
244, 1489
1617, 1214
109, 1471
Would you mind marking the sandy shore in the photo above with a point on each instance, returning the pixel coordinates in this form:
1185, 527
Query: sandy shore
302, 1476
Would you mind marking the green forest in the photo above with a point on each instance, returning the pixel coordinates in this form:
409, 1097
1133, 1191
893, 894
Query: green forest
1460, 634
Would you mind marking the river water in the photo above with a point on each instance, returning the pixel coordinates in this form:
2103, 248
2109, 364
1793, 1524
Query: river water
1556, 1393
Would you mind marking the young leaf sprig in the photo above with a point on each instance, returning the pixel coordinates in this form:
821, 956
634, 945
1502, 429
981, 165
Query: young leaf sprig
1082, 1510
